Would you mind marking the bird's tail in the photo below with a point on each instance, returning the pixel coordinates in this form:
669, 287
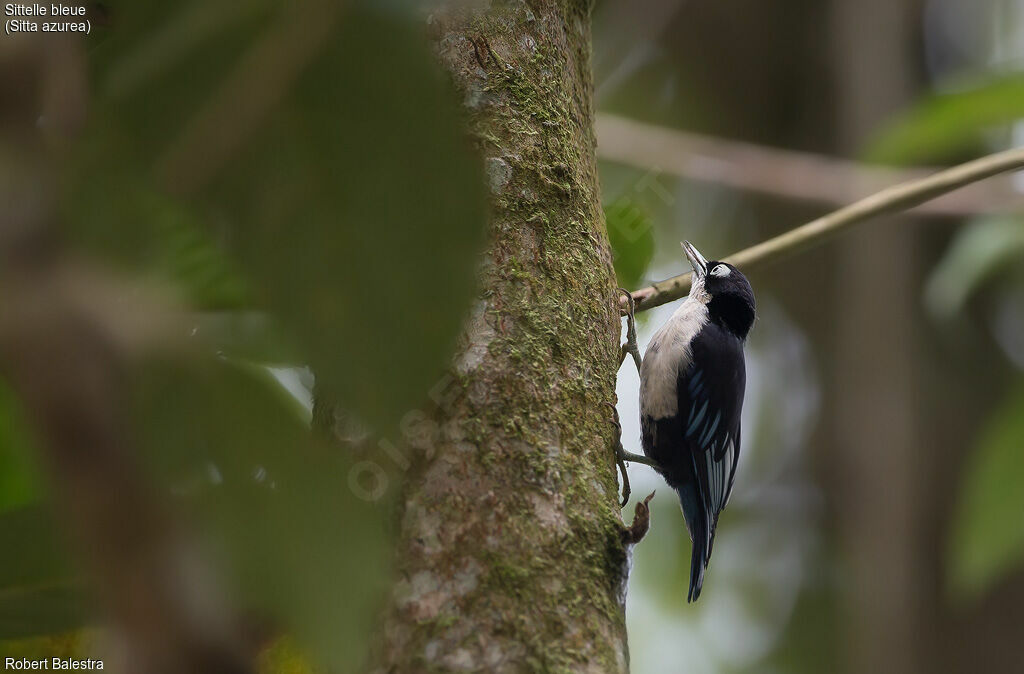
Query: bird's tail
697, 524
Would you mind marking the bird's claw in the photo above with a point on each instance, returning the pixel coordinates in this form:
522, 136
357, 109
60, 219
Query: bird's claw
630, 303
630, 347
620, 456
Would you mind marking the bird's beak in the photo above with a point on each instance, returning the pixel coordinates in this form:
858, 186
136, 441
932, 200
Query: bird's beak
697, 261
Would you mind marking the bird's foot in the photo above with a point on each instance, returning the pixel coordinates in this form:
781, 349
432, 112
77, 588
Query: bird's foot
630, 347
622, 456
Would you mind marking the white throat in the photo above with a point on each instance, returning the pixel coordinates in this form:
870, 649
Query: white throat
698, 292
669, 353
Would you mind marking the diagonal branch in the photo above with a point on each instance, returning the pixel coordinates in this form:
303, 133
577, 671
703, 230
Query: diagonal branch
892, 199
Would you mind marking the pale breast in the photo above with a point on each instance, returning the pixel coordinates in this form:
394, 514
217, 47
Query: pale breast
667, 355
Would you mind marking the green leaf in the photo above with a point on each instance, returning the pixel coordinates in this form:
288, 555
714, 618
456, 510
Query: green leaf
299, 545
352, 202
988, 525
20, 480
631, 234
940, 126
39, 592
364, 215
977, 253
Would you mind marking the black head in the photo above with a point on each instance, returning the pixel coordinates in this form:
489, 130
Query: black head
725, 289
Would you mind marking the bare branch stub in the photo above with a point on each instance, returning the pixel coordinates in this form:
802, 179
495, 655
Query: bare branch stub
635, 532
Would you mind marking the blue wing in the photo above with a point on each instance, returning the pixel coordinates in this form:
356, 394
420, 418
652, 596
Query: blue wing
698, 448
710, 393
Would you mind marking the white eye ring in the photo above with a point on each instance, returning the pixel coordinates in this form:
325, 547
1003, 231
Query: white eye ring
721, 270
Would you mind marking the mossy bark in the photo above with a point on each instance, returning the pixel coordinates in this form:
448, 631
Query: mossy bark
510, 557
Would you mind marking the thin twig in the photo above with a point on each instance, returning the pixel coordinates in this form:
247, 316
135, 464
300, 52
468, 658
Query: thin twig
802, 176
896, 198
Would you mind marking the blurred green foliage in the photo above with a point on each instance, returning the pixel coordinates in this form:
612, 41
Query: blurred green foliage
284, 657
810, 641
20, 482
631, 234
978, 252
940, 127
77, 644
987, 533
987, 537
987, 530
337, 226
274, 505
122, 217
355, 208
38, 589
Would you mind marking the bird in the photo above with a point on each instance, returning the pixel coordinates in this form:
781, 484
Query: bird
692, 381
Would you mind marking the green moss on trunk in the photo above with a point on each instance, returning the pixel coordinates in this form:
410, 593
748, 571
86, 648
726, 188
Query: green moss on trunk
509, 554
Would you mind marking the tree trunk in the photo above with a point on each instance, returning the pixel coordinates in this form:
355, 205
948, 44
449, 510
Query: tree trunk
878, 453
509, 550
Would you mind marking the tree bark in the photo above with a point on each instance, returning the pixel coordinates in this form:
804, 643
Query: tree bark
510, 555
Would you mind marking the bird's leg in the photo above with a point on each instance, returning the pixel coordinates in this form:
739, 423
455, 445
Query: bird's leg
622, 456
620, 459
631, 347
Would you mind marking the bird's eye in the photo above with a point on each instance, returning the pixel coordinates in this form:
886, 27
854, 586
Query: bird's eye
720, 270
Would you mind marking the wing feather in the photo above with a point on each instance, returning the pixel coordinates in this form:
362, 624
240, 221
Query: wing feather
711, 391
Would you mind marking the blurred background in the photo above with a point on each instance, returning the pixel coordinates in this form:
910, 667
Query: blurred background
878, 518
877, 522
